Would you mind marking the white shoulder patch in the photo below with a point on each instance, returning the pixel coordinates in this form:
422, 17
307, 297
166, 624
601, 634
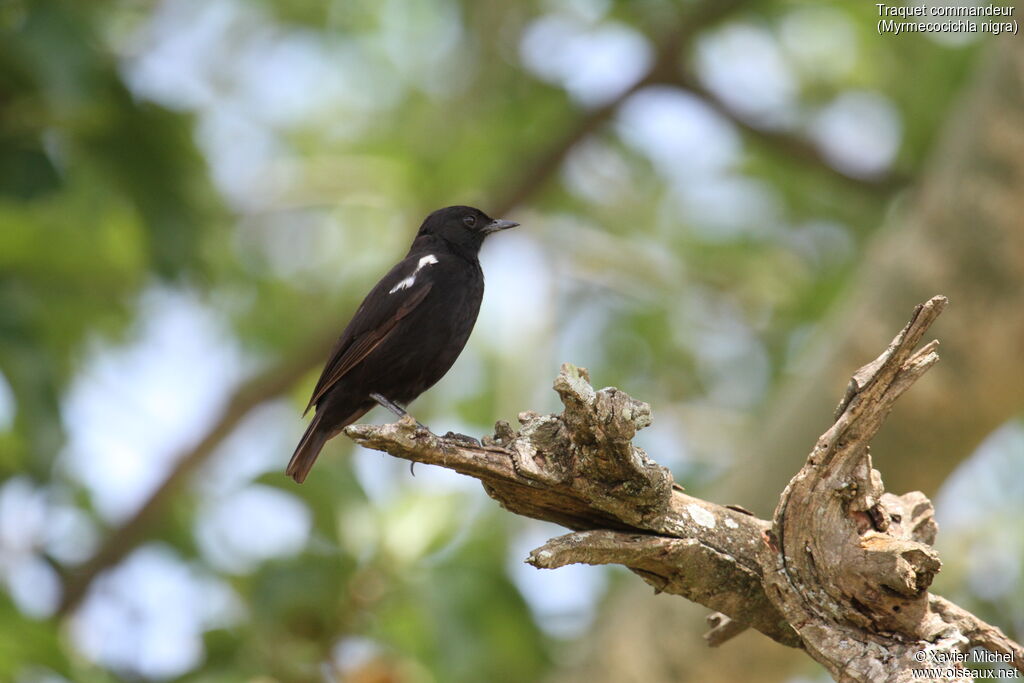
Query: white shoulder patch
427, 260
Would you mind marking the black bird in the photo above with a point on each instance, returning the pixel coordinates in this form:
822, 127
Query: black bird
408, 331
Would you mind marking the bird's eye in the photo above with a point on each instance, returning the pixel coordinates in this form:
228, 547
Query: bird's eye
470, 221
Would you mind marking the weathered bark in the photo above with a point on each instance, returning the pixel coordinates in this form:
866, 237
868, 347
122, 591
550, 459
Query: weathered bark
842, 571
580, 469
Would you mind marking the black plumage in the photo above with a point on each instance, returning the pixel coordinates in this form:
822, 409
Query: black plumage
408, 331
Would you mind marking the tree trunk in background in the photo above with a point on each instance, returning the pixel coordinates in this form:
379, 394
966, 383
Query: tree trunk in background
962, 235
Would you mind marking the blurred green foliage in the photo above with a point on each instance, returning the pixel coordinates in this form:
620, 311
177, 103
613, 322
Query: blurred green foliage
99, 194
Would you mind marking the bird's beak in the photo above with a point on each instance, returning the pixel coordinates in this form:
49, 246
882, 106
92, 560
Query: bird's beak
496, 225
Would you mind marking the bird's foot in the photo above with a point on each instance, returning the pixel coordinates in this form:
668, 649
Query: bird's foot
463, 438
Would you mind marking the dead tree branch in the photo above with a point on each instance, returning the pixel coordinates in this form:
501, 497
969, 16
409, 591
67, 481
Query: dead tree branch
843, 570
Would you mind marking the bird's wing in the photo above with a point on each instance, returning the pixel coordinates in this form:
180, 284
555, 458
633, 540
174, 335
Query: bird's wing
366, 336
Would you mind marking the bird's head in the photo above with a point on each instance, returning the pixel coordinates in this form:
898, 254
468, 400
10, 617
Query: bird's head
462, 227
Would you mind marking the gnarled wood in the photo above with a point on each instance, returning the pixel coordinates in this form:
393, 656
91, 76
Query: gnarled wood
843, 570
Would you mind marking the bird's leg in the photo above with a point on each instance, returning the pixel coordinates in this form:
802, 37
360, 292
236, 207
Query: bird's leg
401, 412
398, 410
390, 405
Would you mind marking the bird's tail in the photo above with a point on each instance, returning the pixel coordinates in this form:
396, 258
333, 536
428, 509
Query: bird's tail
308, 449
313, 441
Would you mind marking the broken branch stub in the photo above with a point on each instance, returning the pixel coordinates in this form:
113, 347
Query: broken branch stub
600, 426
